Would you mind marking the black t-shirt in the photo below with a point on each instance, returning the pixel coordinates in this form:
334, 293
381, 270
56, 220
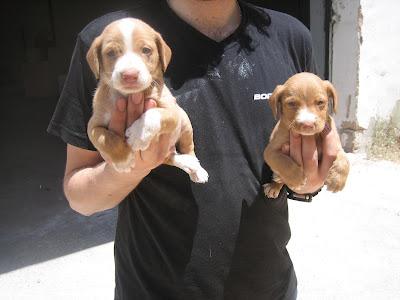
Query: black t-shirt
223, 239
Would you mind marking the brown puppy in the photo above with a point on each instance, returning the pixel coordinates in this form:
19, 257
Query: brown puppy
301, 105
130, 57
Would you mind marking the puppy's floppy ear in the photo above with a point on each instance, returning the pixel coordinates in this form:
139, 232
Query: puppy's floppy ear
164, 52
93, 58
275, 101
332, 94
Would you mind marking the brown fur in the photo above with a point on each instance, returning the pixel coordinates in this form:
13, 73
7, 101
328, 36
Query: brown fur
303, 90
101, 58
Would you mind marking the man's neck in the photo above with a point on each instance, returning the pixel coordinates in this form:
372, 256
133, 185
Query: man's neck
216, 19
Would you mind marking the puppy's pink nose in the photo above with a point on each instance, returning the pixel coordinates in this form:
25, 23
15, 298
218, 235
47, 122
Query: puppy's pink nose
130, 75
307, 125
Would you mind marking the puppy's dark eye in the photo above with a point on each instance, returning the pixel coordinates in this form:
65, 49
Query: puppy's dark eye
320, 103
111, 54
292, 104
146, 50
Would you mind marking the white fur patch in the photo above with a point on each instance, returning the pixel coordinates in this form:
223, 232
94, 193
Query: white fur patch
126, 27
130, 60
191, 165
304, 115
107, 118
142, 132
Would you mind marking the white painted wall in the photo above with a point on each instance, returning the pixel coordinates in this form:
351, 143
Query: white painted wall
379, 60
344, 58
345, 55
365, 65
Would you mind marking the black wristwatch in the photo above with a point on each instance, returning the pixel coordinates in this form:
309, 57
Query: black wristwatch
301, 197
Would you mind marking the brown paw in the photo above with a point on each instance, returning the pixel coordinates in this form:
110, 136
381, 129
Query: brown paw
297, 180
125, 166
337, 176
277, 178
272, 190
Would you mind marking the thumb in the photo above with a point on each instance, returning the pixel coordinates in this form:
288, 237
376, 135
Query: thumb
149, 103
295, 147
118, 118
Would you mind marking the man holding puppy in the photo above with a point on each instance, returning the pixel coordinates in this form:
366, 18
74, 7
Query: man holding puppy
174, 239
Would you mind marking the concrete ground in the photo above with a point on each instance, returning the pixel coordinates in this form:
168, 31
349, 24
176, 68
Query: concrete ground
46, 249
344, 246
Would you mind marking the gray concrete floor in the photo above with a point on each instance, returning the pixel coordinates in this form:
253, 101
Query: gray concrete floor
36, 223
344, 246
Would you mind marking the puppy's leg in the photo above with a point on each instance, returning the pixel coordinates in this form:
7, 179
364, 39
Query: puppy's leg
185, 143
150, 125
190, 164
338, 173
290, 172
114, 146
187, 161
272, 190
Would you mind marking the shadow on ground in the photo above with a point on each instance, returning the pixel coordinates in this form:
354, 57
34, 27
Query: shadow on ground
36, 223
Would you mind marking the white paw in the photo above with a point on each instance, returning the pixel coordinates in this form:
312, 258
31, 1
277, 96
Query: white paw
191, 165
125, 166
199, 176
142, 132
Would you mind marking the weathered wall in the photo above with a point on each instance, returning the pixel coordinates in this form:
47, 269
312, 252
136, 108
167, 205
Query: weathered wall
344, 56
379, 88
365, 64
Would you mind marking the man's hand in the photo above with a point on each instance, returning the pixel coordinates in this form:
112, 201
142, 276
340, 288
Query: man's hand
303, 150
127, 112
92, 185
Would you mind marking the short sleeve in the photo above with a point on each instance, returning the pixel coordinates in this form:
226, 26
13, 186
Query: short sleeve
74, 107
304, 46
310, 63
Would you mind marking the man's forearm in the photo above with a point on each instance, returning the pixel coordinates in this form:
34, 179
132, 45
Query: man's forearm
94, 189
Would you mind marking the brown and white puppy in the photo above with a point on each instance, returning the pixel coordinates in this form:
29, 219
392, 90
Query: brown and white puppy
130, 57
301, 105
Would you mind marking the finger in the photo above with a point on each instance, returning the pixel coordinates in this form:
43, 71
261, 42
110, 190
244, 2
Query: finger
295, 148
118, 117
149, 103
157, 152
330, 150
135, 108
285, 149
310, 155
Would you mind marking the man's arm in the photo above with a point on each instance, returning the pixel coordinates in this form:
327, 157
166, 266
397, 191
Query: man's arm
91, 184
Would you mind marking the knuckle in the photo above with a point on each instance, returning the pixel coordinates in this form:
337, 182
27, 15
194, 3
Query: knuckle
311, 157
314, 160
332, 156
332, 153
